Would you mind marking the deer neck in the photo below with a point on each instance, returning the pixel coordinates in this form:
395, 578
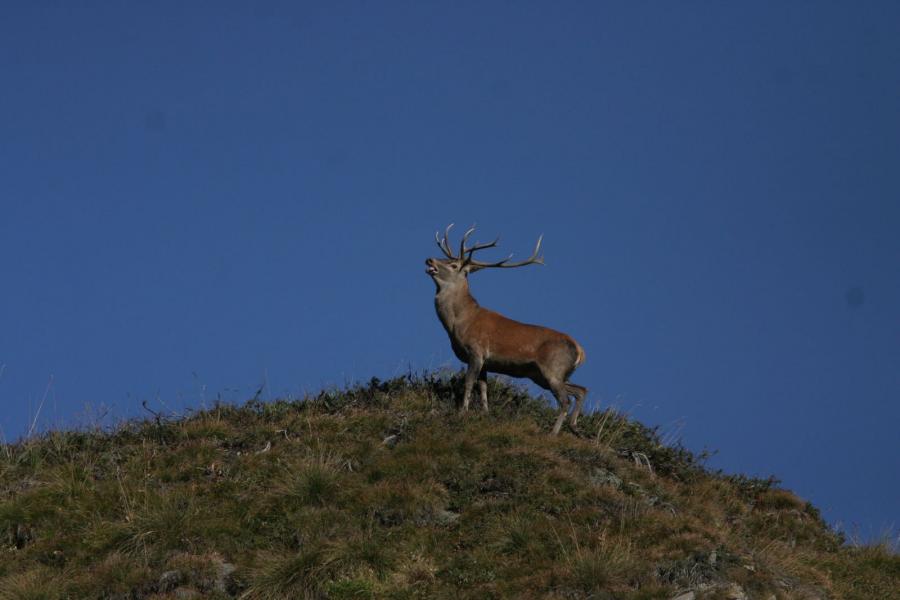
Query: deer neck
455, 307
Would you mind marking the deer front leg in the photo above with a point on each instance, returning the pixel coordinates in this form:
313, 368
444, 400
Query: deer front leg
475, 364
482, 387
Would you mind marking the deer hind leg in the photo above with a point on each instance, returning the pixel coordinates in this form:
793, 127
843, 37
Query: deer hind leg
580, 393
475, 364
562, 397
482, 387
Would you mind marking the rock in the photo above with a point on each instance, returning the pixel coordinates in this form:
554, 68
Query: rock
492, 485
685, 596
605, 477
170, 580
20, 535
445, 517
223, 575
436, 517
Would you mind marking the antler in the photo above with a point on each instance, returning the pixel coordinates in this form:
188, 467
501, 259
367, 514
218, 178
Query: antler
465, 253
533, 259
443, 244
463, 250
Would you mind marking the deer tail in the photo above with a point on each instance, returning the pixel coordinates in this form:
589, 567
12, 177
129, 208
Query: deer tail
579, 357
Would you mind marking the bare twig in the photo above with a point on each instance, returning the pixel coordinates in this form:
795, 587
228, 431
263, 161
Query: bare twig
156, 415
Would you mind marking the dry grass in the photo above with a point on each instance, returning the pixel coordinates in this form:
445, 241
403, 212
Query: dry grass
386, 491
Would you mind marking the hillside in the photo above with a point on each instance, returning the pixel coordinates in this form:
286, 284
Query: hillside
385, 491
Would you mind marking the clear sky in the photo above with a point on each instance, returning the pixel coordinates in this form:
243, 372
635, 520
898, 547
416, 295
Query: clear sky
197, 199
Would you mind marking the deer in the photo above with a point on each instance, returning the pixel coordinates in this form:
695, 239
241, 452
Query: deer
489, 342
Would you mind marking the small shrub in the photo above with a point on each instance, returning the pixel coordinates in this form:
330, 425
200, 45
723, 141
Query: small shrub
35, 584
301, 575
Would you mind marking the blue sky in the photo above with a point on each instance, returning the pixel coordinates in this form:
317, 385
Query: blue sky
195, 202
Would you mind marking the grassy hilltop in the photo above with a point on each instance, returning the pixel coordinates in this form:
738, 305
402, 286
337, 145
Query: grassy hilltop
385, 491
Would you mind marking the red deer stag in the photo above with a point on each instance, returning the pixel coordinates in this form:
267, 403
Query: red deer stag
488, 341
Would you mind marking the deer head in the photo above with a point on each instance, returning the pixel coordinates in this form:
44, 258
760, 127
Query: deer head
452, 270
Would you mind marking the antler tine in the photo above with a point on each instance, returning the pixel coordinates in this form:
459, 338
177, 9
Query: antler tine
477, 247
533, 259
462, 243
443, 244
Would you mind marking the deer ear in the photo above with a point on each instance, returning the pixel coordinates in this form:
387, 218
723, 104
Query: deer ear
470, 268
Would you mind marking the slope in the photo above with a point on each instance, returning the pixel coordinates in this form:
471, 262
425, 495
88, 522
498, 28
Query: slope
385, 490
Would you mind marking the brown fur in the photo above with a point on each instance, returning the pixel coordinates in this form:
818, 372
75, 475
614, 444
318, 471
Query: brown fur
489, 342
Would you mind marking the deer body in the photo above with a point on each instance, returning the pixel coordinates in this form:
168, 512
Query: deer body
489, 342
